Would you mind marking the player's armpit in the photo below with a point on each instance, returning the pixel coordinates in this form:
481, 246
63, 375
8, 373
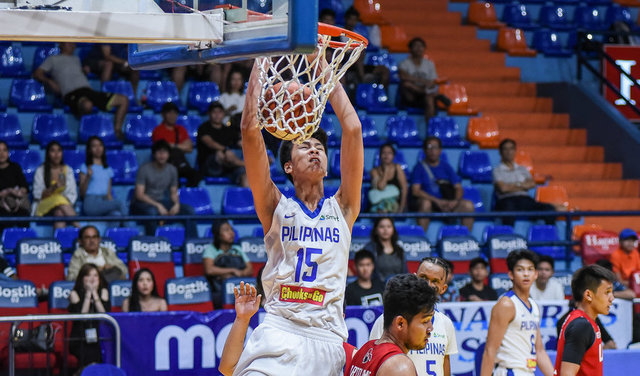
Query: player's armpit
397, 365
502, 313
569, 369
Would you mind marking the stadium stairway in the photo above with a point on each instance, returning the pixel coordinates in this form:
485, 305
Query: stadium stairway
557, 151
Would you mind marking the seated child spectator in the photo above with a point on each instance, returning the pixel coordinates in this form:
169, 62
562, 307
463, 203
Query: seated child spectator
156, 191
477, 290
626, 259
105, 59
367, 289
54, 186
89, 251
178, 139
144, 294
233, 98
14, 190
389, 189
95, 182
545, 287
384, 246
215, 143
436, 187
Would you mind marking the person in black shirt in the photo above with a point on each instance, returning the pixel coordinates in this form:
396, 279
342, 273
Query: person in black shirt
14, 190
477, 290
367, 289
214, 143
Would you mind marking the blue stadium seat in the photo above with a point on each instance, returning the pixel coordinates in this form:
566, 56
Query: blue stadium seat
42, 53
589, 17
616, 13
48, 127
374, 99
262, 6
490, 231
138, 130
202, 94
125, 88
370, 136
102, 370
66, 236
124, 165
410, 230
516, 15
475, 165
330, 190
548, 42
333, 138
121, 236
160, 92
258, 232
28, 159
28, 95
334, 166
500, 282
452, 230
555, 18
100, 125
75, 158
12, 235
228, 298
539, 233
238, 200
277, 175
11, 131
385, 59
191, 123
198, 198
11, 61
361, 230
403, 131
599, 2
335, 5
175, 235
446, 129
399, 159
473, 194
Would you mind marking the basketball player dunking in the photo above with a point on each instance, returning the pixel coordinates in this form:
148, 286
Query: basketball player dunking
307, 239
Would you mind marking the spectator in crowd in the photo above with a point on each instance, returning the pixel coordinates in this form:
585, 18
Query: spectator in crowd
418, 80
54, 186
451, 294
512, 183
232, 99
389, 189
477, 290
223, 259
327, 16
436, 187
546, 287
626, 259
178, 138
144, 294
156, 191
89, 295
69, 81
367, 289
620, 291
90, 251
196, 72
6, 270
14, 190
388, 253
105, 59
215, 143
95, 182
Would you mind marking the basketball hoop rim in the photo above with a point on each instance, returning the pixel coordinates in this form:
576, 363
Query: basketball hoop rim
335, 31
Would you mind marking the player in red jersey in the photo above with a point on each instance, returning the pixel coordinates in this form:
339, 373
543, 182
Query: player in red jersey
580, 342
408, 303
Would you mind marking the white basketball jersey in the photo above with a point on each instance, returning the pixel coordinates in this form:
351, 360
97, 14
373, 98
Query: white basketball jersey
518, 347
306, 271
430, 360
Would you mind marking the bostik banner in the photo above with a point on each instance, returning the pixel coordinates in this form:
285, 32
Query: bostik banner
150, 248
59, 294
187, 290
254, 248
459, 247
193, 250
17, 294
189, 344
39, 251
118, 291
416, 247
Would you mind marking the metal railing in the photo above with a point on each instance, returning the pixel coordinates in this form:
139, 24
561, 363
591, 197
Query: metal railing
68, 317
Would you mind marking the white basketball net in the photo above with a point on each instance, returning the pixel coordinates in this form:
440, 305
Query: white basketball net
295, 88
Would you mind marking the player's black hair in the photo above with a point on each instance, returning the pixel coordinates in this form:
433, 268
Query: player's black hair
548, 259
589, 278
521, 254
429, 139
478, 260
417, 40
363, 254
287, 146
504, 142
407, 295
444, 264
449, 264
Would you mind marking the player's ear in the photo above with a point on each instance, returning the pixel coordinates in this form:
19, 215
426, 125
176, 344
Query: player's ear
400, 322
444, 289
588, 296
288, 167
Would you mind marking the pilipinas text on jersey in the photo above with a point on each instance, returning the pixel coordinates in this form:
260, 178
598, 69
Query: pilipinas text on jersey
518, 347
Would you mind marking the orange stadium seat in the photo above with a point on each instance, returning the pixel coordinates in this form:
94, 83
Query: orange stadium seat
524, 159
457, 93
578, 230
484, 131
370, 11
394, 38
553, 194
484, 15
513, 42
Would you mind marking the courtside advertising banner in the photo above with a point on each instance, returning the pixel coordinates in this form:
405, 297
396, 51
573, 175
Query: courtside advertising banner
17, 294
189, 343
150, 249
39, 251
628, 59
187, 290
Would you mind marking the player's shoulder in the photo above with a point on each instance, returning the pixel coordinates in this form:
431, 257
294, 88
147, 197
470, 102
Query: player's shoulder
399, 364
440, 317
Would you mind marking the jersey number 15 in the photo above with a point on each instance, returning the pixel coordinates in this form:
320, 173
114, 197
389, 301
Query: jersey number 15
306, 255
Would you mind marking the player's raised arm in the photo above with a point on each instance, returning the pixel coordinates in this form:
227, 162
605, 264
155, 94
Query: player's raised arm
351, 155
502, 313
265, 193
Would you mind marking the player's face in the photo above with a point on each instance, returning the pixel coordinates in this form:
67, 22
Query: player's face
524, 274
434, 275
384, 230
603, 298
545, 272
419, 330
364, 268
308, 158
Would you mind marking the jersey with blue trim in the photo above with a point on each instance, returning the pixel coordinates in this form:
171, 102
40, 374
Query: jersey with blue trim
307, 254
518, 347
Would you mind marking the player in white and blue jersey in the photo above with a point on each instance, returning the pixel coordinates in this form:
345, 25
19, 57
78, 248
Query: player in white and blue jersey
434, 358
307, 238
514, 345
